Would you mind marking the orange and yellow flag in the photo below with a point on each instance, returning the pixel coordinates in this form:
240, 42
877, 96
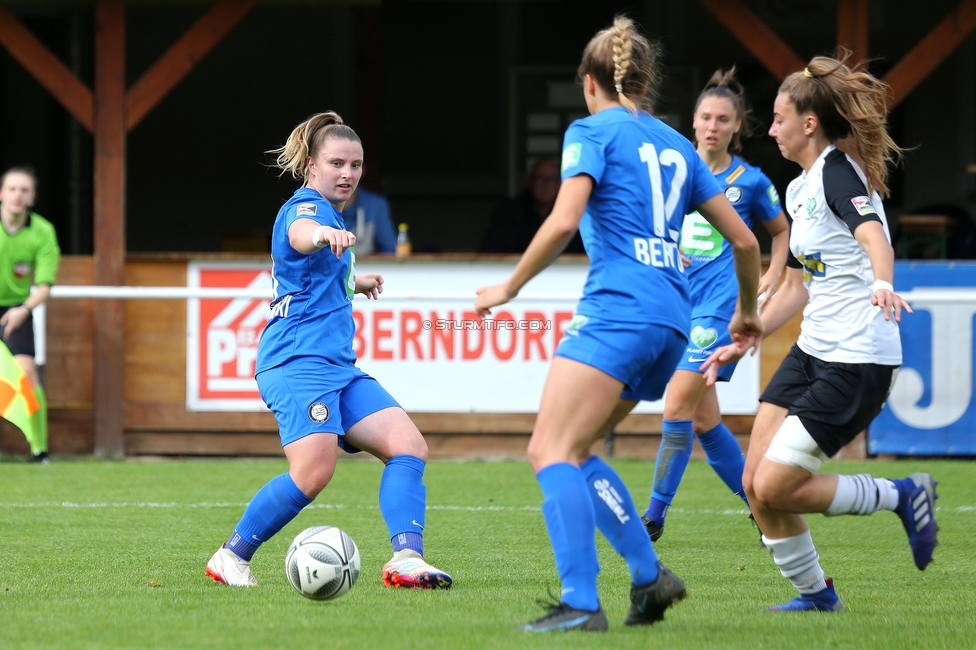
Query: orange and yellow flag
17, 400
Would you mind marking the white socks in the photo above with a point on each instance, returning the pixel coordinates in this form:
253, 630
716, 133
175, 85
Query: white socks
798, 561
862, 494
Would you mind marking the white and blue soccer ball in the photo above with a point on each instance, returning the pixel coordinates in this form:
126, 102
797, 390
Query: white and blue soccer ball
322, 563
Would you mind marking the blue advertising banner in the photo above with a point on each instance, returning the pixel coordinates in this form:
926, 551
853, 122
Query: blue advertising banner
931, 410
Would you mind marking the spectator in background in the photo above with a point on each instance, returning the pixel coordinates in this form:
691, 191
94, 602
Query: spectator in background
367, 214
514, 222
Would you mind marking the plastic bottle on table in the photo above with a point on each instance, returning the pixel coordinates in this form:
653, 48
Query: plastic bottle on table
403, 246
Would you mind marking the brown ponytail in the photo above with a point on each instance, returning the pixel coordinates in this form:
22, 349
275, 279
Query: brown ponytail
848, 104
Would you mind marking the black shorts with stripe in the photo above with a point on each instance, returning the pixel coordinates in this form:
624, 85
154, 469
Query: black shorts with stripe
834, 401
21, 340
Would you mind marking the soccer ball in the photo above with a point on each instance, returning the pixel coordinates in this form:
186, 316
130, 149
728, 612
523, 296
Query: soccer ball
322, 563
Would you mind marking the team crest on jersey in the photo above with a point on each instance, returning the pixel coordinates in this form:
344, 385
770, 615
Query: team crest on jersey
733, 193
863, 205
571, 155
318, 412
773, 195
811, 206
704, 337
22, 269
306, 209
813, 266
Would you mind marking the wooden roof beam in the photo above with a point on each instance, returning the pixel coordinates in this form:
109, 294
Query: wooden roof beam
931, 51
184, 54
852, 28
761, 41
47, 69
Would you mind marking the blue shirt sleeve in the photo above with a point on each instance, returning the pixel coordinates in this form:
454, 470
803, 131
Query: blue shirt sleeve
765, 198
583, 152
320, 211
703, 185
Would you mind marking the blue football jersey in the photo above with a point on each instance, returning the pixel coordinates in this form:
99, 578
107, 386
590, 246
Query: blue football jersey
647, 177
311, 310
711, 276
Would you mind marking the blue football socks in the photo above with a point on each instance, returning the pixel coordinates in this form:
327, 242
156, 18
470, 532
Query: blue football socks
568, 512
725, 457
672, 460
617, 518
274, 505
403, 502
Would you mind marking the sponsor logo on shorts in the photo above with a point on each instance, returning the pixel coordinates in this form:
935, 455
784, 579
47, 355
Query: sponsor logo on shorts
306, 209
704, 337
571, 155
318, 412
733, 193
863, 205
576, 324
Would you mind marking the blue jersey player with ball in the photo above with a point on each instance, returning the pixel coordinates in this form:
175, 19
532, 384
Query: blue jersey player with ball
628, 181
307, 374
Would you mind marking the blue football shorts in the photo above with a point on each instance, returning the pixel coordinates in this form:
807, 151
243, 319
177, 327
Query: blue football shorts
707, 335
309, 395
640, 355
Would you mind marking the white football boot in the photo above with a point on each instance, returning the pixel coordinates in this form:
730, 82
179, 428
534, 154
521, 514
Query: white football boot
408, 569
228, 568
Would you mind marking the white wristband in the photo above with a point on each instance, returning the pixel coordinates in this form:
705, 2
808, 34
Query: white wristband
881, 284
317, 239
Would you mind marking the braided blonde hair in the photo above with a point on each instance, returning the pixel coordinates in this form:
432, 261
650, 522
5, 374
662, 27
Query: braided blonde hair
624, 64
305, 142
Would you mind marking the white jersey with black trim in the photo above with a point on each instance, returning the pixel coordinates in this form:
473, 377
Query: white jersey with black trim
840, 324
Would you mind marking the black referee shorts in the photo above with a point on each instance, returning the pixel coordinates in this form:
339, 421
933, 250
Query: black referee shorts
21, 339
834, 401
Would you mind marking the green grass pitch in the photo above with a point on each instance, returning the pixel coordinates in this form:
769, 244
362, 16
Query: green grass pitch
101, 554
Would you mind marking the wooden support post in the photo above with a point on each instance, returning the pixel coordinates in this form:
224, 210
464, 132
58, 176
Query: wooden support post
852, 28
369, 93
754, 35
109, 222
931, 51
156, 83
46, 68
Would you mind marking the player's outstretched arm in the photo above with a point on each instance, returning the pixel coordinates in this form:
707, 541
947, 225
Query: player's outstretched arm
308, 236
791, 297
779, 228
549, 241
745, 325
871, 236
370, 285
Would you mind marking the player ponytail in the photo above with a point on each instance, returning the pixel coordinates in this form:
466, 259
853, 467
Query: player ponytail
306, 141
624, 64
723, 84
848, 104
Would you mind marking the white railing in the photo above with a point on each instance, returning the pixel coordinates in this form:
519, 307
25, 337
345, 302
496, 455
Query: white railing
218, 293
185, 293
